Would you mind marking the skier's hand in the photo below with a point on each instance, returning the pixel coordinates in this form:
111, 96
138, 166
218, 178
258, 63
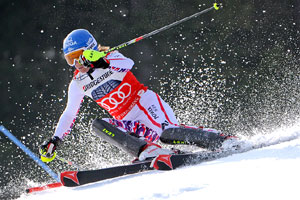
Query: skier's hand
47, 149
102, 63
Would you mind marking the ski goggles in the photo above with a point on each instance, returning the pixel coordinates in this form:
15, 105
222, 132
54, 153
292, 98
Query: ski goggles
74, 56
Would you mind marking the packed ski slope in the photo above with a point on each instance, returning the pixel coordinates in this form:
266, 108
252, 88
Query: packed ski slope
271, 172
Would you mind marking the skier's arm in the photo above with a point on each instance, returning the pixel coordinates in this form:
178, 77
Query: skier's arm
66, 121
68, 117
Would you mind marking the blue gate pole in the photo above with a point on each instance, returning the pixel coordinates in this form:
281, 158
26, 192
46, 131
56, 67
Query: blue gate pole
29, 153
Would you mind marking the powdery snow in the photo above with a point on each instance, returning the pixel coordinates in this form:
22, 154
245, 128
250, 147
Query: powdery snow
272, 172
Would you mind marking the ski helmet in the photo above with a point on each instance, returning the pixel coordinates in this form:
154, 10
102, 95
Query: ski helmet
76, 42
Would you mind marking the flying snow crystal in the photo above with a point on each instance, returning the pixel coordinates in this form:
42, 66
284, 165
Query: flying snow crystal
123, 12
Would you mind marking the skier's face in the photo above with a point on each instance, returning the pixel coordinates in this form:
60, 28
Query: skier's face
80, 67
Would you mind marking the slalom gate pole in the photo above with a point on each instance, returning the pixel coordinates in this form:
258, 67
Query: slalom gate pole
29, 153
215, 6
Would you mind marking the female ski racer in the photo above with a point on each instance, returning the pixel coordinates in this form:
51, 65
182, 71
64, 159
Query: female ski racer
135, 109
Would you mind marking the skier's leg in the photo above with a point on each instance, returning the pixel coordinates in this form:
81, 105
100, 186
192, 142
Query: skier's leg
117, 137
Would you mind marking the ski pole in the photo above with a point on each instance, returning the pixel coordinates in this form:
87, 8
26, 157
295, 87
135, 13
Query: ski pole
101, 54
29, 153
214, 7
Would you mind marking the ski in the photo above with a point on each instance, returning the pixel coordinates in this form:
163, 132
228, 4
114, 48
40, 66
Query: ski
161, 162
78, 178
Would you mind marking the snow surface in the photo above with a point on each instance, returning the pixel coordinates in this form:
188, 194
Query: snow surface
271, 172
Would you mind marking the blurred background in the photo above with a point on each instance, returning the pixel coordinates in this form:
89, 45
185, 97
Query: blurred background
236, 69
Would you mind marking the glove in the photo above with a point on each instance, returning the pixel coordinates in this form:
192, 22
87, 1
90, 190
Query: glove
47, 149
102, 63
